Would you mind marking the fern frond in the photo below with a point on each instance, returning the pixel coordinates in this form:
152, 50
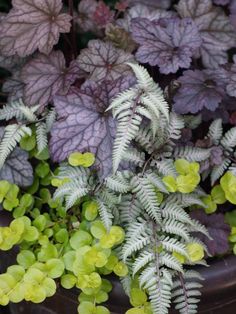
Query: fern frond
173, 245
13, 133
146, 194
129, 208
19, 111
170, 261
118, 183
186, 294
175, 126
175, 227
166, 167
142, 260
229, 139
50, 119
41, 136
218, 171
134, 156
74, 196
192, 153
215, 131
104, 213
156, 181
175, 212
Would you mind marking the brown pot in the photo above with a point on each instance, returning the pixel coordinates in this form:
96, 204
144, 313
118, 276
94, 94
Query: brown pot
218, 292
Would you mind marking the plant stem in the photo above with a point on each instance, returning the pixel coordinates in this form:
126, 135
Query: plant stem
73, 34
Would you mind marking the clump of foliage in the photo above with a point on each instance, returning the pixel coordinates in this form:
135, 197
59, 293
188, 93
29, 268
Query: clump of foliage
117, 148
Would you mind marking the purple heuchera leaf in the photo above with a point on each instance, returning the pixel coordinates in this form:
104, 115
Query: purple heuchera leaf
232, 16
221, 2
17, 168
84, 125
215, 28
103, 61
217, 228
44, 76
32, 25
143, 11
86, 10
231, 86
14, 87
199, 89
162, 4
170, 47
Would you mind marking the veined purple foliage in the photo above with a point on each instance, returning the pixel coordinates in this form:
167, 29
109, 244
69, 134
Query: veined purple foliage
199, 90
45, 76
32, 25
169, 44
83, 123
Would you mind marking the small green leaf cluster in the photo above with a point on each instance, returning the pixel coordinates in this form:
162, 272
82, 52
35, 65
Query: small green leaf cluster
228, 184
217, 197
187, 178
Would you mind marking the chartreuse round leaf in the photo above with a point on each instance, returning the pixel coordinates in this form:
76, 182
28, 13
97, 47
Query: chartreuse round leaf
195, 251
118, 233
43, 155
106, 285
230, 218
218, 195
179, 257
40, 222
232, 236
95, 257
68, 281
89, 283
69, 259
80, 238
26, 258
107, 241
54, 268
86, 308
62, 236
228, 184
102, 310
16, 271
49, 286
170, 183
210, 204
31, 234
28, 142
11, 201
120, 269
79, 159
111, 263
98, 229
137, 297
182, 166
187, 183
42, 169
136, 311
47, 252
4, 188
90, 209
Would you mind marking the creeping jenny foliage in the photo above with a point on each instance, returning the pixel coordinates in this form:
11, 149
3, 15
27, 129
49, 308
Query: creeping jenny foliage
117, 148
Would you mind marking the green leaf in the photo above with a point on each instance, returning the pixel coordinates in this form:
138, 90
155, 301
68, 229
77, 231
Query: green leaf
228, 184
62, 236
170, 183
28, 142
79, 159
80, 238
55, 268
210, 204
4, 188
195, 251
218, 195
42, 169
120, 269
69, 259
187, 183
86, 308
31, 234
47, 252
26, 258
137, 297
230, 218
68, 281
90, 209
40, 222
98, 229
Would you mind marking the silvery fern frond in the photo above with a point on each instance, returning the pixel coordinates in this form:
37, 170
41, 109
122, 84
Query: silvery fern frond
145, 99
218, 171
50, 119
146, 194
41, 136
192, 153
186, 292
175, 126
105, 213
118, 183
18, 110
215, 131
229, 139
13, 133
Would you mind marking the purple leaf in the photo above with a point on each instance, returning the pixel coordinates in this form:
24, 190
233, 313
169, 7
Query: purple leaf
32, 25
84, 125
232, 16
44, 76
161, 4
14, 87
86, 10
221, 2
231, 86
217, 229
103, 15
143, 11
103, 61
169, 47
200, 89
215, 28
16, 168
